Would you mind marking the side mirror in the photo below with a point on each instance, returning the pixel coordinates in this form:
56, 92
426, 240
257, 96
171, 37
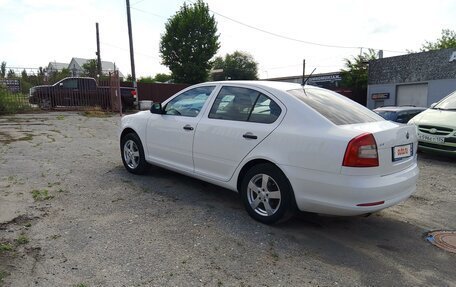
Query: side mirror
61, 85
156, 108
433, 105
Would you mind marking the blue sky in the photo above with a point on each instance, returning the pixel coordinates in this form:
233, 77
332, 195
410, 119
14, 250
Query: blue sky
35, 32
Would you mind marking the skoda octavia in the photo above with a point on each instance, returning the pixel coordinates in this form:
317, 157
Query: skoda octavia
282, 146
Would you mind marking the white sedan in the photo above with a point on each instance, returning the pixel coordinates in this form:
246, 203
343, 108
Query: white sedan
283, 146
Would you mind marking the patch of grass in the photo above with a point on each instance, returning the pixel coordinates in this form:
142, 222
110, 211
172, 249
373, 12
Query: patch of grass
219, 283
40, 195
60, 190
60, 117
6, 247
50, 184
3, 275
55, 236
28, 224
96, 113
80, 285
22, 239
13, 103
27, 137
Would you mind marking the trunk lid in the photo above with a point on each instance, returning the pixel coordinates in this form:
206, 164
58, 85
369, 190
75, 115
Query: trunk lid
388, 135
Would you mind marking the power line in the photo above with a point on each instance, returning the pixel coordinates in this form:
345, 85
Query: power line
147, 12
137, 2
282, 36
127, 50
299, 40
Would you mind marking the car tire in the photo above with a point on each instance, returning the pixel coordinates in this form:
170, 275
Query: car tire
132, 154
45, 104
267, 194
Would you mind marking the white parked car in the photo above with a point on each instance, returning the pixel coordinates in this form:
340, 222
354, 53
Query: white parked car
281, 145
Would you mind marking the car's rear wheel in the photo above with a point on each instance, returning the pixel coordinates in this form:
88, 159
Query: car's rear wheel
267, 194
133, 154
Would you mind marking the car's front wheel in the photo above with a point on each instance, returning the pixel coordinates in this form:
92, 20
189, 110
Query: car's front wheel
45, 104
267, 194
133, 154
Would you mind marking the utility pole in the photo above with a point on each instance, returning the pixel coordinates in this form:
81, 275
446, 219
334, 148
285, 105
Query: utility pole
303, 71
132, 57
98, 52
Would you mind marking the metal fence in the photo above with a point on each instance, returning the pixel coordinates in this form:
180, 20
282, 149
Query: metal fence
79, 94
157, 92
108, 93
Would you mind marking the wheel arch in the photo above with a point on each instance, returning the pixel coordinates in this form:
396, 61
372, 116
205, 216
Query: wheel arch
251, 163
128, 130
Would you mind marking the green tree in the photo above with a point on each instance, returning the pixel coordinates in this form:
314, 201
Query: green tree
90, 69
189, 42
147, 79
446, 40
354, 75
236, 66
56, 76
162, 78
24, 75
11, 74
3, 70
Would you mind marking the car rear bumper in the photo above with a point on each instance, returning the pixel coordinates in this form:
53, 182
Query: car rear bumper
337, 194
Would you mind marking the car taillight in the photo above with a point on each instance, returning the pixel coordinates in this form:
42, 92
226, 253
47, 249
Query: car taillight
133, 93
361, 152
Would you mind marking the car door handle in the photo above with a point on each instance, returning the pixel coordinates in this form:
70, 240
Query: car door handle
188, 128
249, 135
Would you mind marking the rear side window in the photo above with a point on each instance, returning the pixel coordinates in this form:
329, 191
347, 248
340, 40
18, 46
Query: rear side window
265, 111
242, 104
335, 107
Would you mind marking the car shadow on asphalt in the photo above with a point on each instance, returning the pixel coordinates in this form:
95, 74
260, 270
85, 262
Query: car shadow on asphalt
373, 245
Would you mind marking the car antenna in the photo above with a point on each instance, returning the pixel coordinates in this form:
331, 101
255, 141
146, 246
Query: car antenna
304, 82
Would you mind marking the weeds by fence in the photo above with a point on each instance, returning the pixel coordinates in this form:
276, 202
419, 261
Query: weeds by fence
13, 103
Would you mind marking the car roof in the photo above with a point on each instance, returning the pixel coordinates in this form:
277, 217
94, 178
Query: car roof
401, 108
283, 86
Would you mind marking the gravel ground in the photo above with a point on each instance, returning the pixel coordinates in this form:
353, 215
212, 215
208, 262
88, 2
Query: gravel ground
70, 215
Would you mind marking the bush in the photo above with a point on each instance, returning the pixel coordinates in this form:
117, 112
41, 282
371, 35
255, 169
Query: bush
13, 103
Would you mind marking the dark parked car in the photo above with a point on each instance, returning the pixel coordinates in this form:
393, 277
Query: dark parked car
78, 91
400, 114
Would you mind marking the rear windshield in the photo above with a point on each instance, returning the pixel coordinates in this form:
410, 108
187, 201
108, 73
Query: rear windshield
387, 115
336, 108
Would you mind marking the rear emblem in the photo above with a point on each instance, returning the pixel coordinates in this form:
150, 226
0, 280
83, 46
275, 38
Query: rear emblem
407, 135
432, 131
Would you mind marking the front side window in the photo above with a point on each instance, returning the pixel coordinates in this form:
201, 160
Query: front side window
242, 104
189, 103
336, 108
